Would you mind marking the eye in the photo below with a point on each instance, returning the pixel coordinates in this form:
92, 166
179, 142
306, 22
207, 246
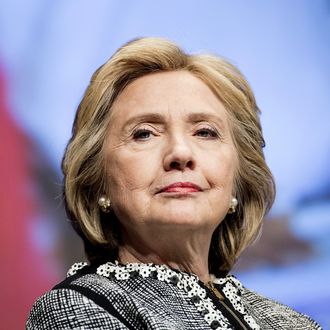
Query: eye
207, 133
142, 134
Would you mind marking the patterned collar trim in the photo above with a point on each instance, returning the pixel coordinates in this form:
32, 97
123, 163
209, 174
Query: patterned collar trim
189, 283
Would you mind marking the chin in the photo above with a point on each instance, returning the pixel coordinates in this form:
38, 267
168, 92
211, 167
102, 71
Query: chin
181, 219
183, 213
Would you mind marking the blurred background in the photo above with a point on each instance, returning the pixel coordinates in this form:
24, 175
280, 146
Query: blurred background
48, 52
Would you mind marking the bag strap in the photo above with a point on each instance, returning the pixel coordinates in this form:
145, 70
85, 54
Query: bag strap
97, 298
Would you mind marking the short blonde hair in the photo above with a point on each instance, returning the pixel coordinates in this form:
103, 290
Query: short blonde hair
84, 165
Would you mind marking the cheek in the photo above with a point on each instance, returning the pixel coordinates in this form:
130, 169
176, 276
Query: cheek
129, 181
222, 170
128, 172
121, 184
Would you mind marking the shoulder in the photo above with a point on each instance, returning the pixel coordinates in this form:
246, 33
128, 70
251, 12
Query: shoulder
73, 306
90, 300
270, 312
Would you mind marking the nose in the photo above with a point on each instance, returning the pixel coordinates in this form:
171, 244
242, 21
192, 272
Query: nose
178, 155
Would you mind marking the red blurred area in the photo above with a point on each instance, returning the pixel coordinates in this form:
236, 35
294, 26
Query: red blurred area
23, 273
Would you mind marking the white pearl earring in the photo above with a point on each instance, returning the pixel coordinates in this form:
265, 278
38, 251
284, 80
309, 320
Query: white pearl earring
104, 203
233, 205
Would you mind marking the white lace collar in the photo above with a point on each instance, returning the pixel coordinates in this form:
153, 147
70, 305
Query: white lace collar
189, 283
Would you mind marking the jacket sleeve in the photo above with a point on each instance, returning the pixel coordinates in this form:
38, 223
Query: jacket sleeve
69, 309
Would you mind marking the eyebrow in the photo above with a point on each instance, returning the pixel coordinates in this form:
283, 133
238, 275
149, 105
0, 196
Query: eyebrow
145, 117
158, 118
205, 116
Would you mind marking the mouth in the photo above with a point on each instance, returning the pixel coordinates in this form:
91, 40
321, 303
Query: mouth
181, 188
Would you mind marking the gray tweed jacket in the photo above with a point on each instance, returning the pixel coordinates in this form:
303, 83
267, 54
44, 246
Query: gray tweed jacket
139, 296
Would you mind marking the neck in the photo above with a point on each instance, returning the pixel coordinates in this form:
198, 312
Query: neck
190, 256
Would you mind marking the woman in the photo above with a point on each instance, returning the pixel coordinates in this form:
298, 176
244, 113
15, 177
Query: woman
166, 183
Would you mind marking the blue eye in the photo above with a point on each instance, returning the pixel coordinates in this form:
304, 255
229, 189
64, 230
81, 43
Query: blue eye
142, 134
207, 133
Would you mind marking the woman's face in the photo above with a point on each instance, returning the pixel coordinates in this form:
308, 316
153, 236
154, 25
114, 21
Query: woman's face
169, 154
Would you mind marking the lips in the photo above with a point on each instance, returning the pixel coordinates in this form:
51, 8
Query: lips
181, 187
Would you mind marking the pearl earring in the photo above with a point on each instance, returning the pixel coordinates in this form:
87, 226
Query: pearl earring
233, 205
104, 203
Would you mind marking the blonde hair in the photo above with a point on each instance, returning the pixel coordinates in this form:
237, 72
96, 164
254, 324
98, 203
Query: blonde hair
83, 164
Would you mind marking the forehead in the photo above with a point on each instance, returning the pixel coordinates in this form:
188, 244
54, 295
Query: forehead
169, 94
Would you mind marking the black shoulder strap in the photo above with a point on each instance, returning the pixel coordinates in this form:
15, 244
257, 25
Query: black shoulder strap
97, 298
